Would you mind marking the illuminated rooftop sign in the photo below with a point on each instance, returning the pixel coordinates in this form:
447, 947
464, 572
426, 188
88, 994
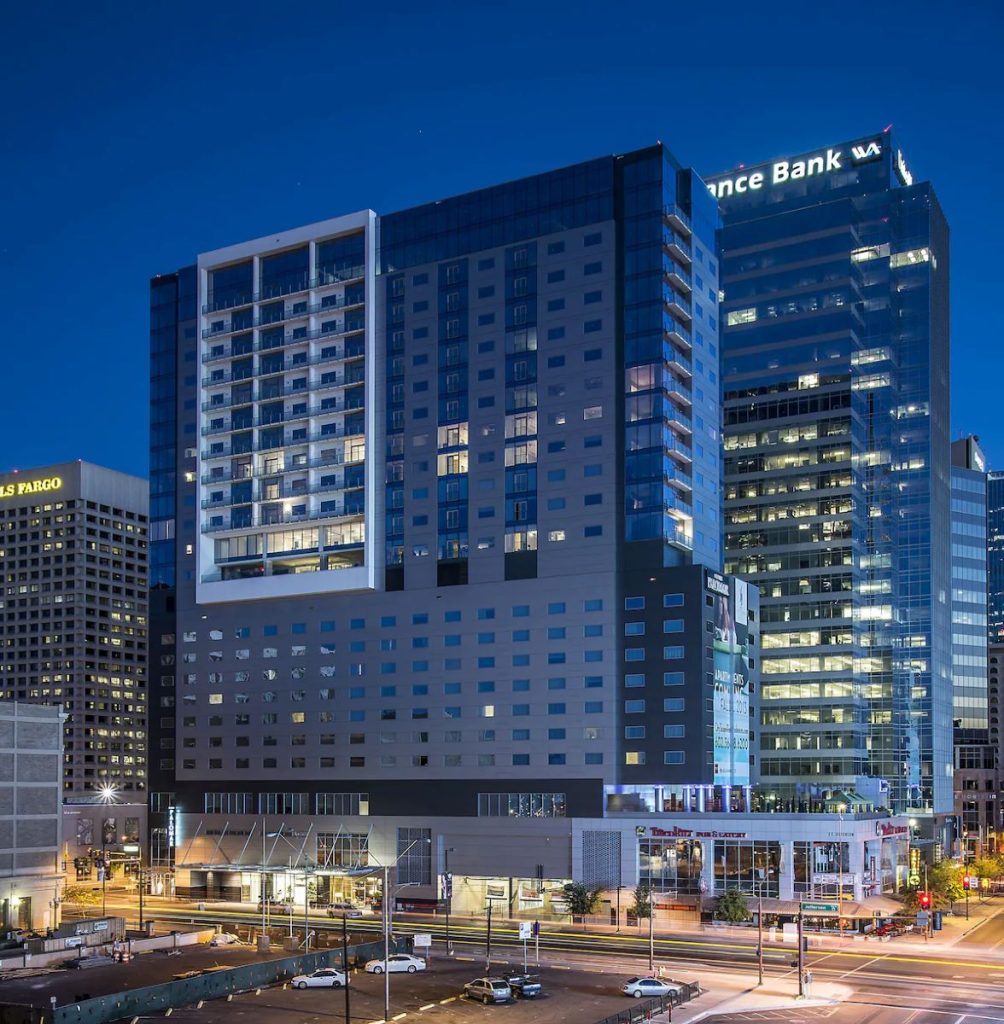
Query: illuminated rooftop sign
780, 172
27, 487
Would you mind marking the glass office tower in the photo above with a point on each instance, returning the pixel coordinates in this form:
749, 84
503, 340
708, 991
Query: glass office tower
969, 587
995, 557
835, 376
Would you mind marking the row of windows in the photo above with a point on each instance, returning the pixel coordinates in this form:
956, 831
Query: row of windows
517, 611
358, 668
390, 761
485, 711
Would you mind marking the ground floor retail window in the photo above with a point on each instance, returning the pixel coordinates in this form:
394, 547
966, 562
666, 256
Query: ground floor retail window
822, 868
749, 865
670, 865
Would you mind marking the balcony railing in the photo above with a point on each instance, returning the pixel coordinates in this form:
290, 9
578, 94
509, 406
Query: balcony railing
287, 441
678, 219
282, 518
293, 363
308, 309
280, 493
679, 247
262, 395
326, 276
286, 341
247, 473
290, 416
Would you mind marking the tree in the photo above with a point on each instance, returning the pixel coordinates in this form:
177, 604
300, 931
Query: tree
732, 907
943, 882
81, 895
642, 901
581, 899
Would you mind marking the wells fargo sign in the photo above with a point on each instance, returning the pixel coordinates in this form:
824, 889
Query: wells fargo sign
26, 487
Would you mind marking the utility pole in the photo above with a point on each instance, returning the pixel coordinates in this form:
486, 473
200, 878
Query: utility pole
759, 934
488, 941
345, 965
801, 955
139, 871
448, 893
651, 930
386, 942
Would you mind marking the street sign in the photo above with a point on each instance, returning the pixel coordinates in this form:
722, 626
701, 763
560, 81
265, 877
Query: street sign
525, 930
913, 879
923, 919
820, 908
423, 939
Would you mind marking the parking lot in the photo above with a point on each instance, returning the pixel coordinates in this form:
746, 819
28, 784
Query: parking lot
434, 996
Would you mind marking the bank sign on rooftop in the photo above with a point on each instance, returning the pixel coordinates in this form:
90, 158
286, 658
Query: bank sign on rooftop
818, 164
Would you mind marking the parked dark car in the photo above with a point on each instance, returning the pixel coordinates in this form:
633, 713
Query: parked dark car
526, 986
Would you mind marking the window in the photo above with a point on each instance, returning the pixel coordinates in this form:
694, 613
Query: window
521, 805
634, 604
634, 707
634, 679
673, 704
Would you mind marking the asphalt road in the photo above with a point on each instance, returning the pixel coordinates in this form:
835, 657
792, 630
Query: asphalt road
855, 1013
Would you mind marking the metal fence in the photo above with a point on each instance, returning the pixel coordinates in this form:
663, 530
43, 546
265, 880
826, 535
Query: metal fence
212, 985
646, 1009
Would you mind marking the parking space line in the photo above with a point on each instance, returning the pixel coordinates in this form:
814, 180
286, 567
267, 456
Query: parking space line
443, 1002
400, 1015
428, 1006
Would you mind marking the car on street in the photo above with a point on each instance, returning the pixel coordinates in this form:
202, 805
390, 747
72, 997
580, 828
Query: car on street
326, 977
525, 986
344, 910
225, 939
639, 987
489, 990
396, 962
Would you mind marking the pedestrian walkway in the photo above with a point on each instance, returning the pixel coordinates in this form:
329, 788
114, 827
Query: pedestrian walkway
734, 992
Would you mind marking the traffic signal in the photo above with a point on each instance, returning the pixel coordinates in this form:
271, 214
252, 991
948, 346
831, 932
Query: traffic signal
966, 882
924, 900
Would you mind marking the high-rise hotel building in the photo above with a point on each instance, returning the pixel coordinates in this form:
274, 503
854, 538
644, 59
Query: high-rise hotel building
73, 615
835, 343
436, 532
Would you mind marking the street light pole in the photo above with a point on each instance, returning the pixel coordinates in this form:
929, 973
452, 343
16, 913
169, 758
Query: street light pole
759, 934
651, 930
449, 898
345, 965
386, 942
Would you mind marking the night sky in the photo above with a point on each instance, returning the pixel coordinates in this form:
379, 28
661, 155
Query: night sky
135, 136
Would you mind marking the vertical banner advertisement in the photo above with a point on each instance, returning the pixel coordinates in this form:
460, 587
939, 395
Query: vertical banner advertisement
731, 722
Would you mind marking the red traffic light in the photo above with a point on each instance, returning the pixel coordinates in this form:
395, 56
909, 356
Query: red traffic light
924, 900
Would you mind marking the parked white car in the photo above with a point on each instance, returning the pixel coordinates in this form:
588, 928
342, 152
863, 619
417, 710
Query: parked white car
639, 987
344, 910
326, 977
225, 939
396, 962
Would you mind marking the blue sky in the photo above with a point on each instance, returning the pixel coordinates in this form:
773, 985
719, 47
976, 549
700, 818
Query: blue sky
135, 136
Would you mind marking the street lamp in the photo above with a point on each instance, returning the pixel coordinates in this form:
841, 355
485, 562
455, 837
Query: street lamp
107, 795
387, 896
448, 887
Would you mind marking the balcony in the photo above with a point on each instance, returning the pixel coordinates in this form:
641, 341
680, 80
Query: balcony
679, 362
283, 518
325, 277
679, 451
290, 416
679, 537
295, 362
307, 309
678, 248
679, 305
226, 451
676, 477
678, 220
247, 473
679, 421
287, 341
677, 275
677, 333
287, 493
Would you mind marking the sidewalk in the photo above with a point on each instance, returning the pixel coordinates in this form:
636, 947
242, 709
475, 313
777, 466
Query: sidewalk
739, 992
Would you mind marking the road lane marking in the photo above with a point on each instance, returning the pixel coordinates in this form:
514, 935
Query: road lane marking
452, 999
428, 1006
860, 967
